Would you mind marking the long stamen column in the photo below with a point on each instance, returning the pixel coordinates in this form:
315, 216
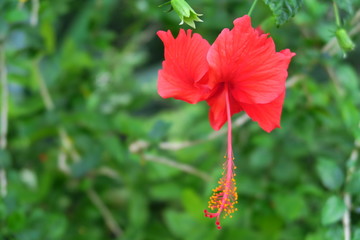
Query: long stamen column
225, 196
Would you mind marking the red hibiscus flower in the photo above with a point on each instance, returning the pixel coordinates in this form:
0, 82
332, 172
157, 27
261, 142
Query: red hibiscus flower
240, 71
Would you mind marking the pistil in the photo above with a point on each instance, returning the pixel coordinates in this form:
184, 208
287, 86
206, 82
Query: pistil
225, 196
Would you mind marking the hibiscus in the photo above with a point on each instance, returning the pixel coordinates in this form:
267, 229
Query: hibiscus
240, 71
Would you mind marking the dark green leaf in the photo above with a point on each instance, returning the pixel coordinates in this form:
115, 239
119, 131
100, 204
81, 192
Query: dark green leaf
82, 167
283, 10
159, 130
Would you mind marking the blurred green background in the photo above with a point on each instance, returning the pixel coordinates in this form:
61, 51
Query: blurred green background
94, 153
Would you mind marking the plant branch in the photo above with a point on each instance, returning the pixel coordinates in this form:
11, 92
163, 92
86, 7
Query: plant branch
3, 182
334, 78
4, 98
181, 166
34, 13
336, 13
67, 148
105, 212
65, 140
346, 220
4, 114
49, 104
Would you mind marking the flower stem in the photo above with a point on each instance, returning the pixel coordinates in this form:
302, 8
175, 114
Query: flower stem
252, 7
337, 16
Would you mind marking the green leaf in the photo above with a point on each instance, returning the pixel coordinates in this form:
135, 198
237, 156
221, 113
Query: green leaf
180, 224
138, 210
356, 234
330, 174
193, 204
57, 220
159, 130
333, 210
334, 233
350, 114
81, 168
269, 224
315, 236
353, 186
165, 191
16, 220
17, 15
261, 158
349, 80
48, 34
283, 10
4, 158
290, 207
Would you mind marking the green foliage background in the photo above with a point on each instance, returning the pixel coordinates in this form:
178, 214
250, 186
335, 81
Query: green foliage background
94, 153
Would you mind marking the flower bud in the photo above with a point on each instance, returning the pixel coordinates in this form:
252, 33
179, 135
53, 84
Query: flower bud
185, 12
344, 40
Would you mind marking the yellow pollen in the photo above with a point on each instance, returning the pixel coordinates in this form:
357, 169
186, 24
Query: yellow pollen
225, 196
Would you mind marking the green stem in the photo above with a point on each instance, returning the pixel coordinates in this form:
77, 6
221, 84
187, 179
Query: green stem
3, 113
252, 7
336, 12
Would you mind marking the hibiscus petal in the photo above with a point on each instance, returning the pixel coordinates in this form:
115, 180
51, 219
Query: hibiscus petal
267, 115
217, 103
249, 62
184, 66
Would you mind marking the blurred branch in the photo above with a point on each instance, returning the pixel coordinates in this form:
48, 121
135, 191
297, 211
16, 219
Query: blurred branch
346, 220
3, 182
94, 197
62, 164
49, 104
69, 149
65, 140
241, 120
67, 144
181, 166
108, 172
139, 146
34, 13
4, 114
105, 212
334, 78
4, 98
